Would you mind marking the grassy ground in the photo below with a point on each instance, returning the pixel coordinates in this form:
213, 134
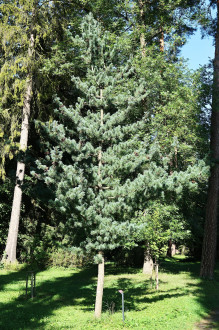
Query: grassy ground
65, 298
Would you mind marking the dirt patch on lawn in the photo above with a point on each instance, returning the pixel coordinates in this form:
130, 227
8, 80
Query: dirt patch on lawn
210, 322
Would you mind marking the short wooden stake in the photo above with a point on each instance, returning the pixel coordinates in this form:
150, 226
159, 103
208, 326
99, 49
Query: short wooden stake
32, 275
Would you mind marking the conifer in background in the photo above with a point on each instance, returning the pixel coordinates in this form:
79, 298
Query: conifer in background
12, 15
26, 37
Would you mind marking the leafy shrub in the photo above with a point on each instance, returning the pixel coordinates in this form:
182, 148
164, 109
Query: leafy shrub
63, 257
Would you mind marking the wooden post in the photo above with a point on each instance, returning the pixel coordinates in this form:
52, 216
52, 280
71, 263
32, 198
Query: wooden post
100, 284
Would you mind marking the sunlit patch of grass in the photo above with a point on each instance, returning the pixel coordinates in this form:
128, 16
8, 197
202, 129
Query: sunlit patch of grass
65, 298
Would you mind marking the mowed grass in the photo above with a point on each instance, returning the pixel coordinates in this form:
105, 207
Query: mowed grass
65, 298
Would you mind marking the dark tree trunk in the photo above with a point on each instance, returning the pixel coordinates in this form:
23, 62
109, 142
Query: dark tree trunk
169, 251
210, 232
148, 262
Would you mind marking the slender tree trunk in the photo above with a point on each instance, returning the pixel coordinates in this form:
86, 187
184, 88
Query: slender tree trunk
100, 152
156, 275
100, 284
11, 245
210, 231
100, 280
142, 34
148, 262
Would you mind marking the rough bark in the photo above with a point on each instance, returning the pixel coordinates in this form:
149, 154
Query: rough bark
11, 245
210, 231
100, 284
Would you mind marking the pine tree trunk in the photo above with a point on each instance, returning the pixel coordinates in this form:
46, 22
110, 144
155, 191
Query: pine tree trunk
100, 284
100, 281
148, 262
210, 231
142, 34
161, 40
11, 245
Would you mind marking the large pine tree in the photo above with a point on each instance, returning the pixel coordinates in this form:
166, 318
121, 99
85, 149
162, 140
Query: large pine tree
95, 166
102, 161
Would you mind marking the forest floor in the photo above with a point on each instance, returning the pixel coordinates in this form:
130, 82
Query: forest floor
65, 299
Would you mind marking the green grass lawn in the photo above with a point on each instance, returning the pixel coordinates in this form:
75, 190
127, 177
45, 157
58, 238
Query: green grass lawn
65, 298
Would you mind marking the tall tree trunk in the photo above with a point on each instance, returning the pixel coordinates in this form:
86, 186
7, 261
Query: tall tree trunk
100, 280
100, 284
210, 231
11, 245
148, 261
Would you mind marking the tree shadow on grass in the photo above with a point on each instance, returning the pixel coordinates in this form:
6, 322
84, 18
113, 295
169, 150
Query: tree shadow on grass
111, 269
10, 276
138, 297
137, 294
78, 290
25, 313
178, 265
206, 291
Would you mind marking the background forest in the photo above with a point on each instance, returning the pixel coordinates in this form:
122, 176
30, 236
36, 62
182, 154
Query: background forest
109, 131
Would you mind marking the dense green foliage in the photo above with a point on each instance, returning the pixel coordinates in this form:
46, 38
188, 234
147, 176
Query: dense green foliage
114, 134
129, 135
104, 159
